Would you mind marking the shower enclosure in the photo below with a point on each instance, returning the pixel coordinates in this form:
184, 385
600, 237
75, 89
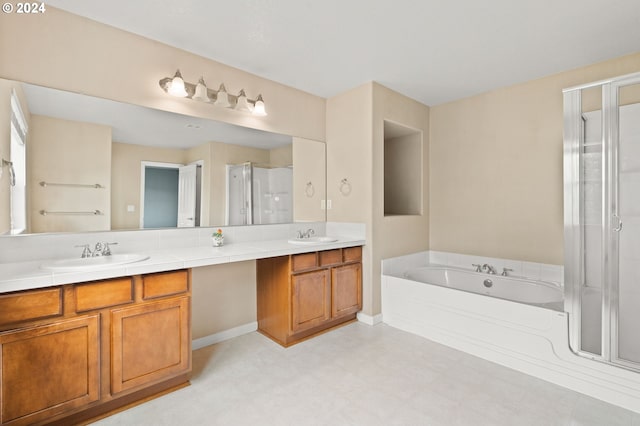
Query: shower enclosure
602, 219
258, 195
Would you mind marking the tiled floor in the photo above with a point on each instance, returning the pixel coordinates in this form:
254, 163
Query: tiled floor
363, 375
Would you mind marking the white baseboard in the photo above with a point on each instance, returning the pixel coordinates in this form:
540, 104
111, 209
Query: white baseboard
369, 319
212, 339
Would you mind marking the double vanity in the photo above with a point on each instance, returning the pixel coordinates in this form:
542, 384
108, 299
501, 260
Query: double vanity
83, 337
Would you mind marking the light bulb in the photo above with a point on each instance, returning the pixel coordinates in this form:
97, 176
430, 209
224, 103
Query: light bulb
176, 87
222, 98
258, 108
201, 92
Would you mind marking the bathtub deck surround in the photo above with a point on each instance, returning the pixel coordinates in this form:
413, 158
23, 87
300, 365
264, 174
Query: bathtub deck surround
531, 339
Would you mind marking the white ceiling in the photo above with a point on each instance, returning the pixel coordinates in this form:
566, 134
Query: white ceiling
434, 51
145, 126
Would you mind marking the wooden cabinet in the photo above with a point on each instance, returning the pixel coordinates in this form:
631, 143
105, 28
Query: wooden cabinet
72, 352
311, 299
149, 343
304, 294
49, 369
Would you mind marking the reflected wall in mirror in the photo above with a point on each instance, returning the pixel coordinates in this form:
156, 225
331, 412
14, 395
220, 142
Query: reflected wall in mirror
93, 164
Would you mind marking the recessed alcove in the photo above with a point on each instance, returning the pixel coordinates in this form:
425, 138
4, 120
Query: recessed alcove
402, 170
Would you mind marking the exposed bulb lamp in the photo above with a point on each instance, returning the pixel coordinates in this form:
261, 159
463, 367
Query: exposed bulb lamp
176, 86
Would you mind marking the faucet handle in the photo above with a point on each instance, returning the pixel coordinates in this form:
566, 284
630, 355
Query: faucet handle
477, 266
86, 252
106, 251
505, 272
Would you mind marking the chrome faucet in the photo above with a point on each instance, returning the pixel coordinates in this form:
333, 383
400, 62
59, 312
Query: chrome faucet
489, 269
101, 249
306, 234
98, 250
477, 266
86, 252
505, 272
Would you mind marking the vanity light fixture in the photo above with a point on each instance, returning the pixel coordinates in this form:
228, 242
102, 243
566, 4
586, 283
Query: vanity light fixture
176, 86
258, 107
222, 98
201, 92
242, 103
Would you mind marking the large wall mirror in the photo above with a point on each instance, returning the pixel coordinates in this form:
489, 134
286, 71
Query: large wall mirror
75, 163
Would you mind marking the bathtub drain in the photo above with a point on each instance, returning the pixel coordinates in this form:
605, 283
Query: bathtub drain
488, 283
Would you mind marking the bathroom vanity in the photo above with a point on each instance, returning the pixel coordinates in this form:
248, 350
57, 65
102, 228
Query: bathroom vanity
75, 344
74, 351
304, 294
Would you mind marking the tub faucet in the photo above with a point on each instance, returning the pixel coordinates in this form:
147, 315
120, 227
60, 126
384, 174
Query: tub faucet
489, 269
477, 266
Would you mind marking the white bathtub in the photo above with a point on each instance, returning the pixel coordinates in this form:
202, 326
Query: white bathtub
522, 326
539, 293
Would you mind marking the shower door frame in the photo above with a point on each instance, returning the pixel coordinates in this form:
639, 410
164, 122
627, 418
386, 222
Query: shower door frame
574, 273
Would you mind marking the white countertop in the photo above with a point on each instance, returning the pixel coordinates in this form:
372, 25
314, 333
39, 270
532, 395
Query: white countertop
28, 275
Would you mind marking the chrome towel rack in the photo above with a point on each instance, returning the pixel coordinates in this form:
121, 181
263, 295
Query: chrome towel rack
90, 213
74, 185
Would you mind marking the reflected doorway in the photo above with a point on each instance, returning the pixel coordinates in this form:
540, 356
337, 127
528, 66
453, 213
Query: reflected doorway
170, 195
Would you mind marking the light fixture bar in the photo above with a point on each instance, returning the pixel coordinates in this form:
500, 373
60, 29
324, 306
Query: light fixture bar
200, 92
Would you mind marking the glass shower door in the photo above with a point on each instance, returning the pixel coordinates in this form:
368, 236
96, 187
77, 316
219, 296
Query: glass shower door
626, 224
602, 219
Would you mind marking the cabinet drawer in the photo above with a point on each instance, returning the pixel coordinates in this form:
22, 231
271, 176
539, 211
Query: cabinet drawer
352, 254
103, 294
30, 305
330, 257
164, 284
300, 262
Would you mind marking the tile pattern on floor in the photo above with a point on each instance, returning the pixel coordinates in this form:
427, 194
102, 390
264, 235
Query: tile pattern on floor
363, 375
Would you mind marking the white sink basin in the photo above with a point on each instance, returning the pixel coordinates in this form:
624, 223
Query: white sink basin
91, 263
313, 240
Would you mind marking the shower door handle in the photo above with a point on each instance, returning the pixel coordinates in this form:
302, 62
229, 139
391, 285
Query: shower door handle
618, 228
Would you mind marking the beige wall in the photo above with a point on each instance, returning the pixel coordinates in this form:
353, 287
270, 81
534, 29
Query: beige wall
224, 297
281, 156
5, 148
68, 152
496, 168
349, 156
355, 151
309, 160
126, 175
64, 51
396, 235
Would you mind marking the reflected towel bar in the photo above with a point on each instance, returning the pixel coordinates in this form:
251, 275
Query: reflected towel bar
75, 185
91, 213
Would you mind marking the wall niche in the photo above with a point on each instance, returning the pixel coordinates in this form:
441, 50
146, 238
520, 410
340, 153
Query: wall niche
402, 170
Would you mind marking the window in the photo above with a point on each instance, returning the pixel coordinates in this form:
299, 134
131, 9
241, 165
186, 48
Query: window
18, 168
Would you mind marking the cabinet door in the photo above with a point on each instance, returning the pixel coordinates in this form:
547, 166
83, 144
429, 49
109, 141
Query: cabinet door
311, 299
346, 289
150, 342
49, 370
